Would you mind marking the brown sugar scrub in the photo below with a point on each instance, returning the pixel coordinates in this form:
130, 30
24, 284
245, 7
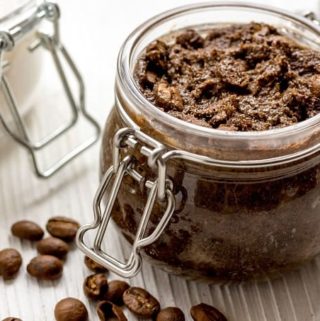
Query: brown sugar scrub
246, 77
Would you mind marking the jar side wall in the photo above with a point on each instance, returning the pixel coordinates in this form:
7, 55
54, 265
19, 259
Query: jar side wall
224, 230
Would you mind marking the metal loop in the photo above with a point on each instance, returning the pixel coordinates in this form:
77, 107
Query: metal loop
132, 266
151, 148
58, 52
52, 11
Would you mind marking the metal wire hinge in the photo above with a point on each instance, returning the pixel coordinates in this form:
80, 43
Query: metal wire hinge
52, 43
159, 189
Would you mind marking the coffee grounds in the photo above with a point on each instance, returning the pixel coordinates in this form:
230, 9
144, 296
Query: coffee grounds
246, 77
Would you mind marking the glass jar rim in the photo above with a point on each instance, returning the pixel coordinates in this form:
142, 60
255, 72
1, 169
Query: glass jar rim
130, 87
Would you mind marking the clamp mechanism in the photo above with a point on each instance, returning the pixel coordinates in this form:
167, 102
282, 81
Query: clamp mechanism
159, 189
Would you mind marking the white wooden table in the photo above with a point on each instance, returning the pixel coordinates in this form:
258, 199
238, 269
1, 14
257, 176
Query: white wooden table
94, 31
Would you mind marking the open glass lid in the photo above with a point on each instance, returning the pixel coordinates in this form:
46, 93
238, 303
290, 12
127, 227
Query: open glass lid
29, 32
11, 10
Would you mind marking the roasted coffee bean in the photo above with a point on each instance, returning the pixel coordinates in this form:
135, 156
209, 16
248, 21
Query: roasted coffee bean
63, 228
10, 263
95, 286
94, 266
53, 246
116, 290
27, 230
70, 309
141, 302
170, 314
11, 319
205, 312
45, 267
107, 311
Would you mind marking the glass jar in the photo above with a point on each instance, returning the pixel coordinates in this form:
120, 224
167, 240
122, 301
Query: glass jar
204, 202
29, 30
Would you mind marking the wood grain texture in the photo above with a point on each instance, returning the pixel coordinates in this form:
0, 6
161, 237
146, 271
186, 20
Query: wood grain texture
94, 34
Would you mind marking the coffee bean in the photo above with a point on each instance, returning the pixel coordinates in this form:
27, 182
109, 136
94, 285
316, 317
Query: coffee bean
45, 267
27, 230
170, 314
116, 290
107, 311
70, 309
94, 266
10, 263
205, 312
63, 228
141, 302
95, 286
11, 319
53, 246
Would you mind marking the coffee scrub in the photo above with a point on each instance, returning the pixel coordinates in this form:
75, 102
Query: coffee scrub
221, 122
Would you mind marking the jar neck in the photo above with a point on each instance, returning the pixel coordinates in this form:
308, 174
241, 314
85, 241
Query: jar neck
266, 147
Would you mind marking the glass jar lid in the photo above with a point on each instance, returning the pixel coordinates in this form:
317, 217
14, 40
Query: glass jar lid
19, 18
8, 7
13, 8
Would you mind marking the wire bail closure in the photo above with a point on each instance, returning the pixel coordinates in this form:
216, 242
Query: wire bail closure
52, 43
160, 189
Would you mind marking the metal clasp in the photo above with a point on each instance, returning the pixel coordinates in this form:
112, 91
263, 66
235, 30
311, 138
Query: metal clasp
129, 139
52, 43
